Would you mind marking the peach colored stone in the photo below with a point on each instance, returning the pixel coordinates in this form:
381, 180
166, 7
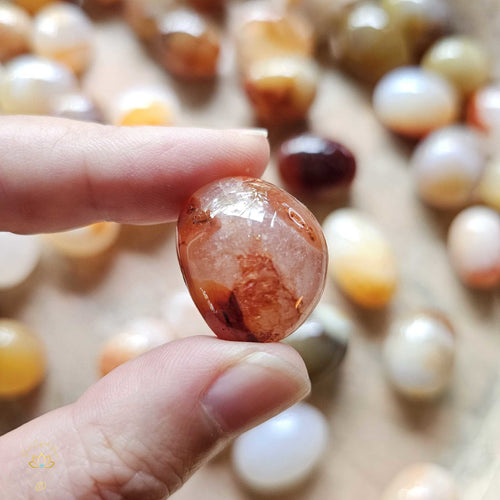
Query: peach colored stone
254, 258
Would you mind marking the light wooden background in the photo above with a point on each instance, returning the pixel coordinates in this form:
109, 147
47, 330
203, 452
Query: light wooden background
76, 306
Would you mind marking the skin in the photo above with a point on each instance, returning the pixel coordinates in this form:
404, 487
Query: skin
135, 434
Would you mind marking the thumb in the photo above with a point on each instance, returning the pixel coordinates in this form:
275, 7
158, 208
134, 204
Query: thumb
143, 429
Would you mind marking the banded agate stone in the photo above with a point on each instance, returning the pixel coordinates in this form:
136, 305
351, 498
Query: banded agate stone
253, 257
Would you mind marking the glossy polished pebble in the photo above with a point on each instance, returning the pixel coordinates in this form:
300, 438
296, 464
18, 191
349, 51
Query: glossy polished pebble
87, 241
283, 452
474, 246
31, 83
64, 33
15, 31
322, 340
131, 341
76, 106
33, 6
281, 90
361, 259
489, 185
19, 256
447, 166
188, 45
22, 359
422, 481
141, 15
483, 110
264, 31
315, 165
413, 102
182, 316
253, 257
422, 21
461, 60
370, 43
143, 106
419, 354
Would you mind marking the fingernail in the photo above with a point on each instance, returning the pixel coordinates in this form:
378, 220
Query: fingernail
260, 132
258, 387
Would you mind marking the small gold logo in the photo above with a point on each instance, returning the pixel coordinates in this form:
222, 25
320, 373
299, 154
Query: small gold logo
41, 462
40, 486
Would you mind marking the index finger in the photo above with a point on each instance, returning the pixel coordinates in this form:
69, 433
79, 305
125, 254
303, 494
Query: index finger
56, 174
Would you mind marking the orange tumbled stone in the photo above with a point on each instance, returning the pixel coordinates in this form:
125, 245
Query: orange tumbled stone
253, 257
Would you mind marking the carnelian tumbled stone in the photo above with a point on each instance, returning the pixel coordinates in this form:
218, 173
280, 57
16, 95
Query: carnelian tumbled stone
253, 257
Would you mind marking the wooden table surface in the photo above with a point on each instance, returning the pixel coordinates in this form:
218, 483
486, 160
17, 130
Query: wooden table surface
76, 306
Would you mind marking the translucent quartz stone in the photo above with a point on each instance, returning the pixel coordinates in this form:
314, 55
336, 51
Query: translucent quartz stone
483, 110
474, 246
76, 106
281, 90
253, 257
281, 453
131, 341
370, 44
15, 31
419, 355
422, 21
361, 259
461, 60
188, 45
33, 5
63, 32
265, 31
19, 256
314, 165
322, 340
87, 241
413, 102
489, 185
447, 165
143, 106
30, 83
422, 481
22, 359
182, 316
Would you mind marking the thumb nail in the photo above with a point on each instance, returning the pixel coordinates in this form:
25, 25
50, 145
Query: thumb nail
258, 387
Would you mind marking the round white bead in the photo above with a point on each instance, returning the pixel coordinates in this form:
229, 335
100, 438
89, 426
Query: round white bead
422, 481
447, 165
419, 355
19, 256
30, 83
63, 32
413, 101
474, 246
282, 452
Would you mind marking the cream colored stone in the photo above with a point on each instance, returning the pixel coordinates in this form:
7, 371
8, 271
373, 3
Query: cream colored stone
361, 260
447, 166
419, 355
87, 241
31, 83
413, 102
474, 246
422, 481
64, 33
15, 31
461, 60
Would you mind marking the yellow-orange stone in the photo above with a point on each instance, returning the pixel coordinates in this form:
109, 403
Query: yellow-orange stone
22, 359
253, 257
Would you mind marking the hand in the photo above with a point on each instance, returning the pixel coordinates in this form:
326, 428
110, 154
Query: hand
143, 429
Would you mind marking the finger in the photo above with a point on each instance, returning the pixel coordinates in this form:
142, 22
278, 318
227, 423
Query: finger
144, 428
56, 174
